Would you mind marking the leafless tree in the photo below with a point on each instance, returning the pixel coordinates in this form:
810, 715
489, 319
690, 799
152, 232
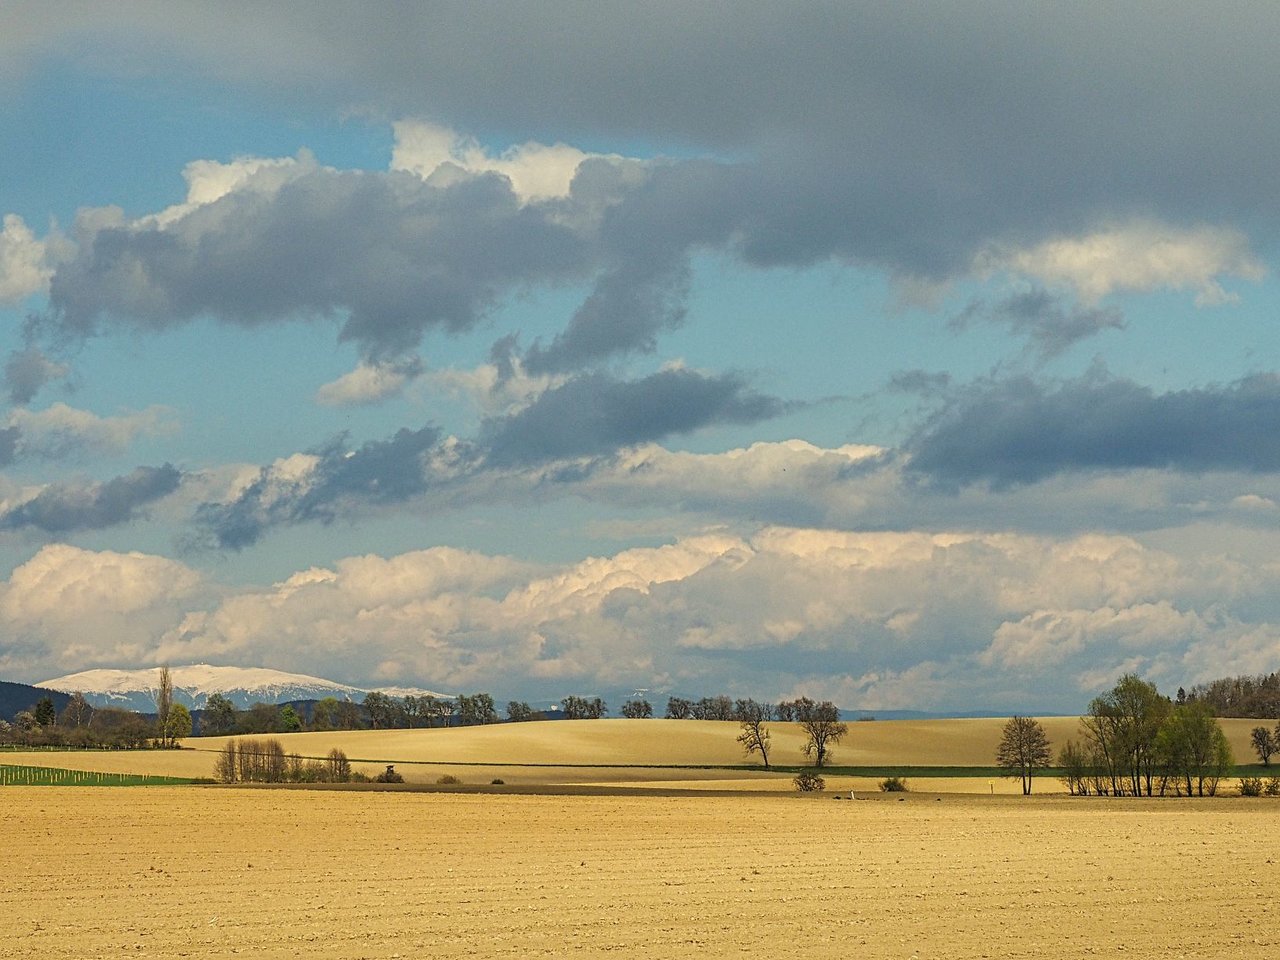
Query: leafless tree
823, 728
164, 702
1023, 749
754, 718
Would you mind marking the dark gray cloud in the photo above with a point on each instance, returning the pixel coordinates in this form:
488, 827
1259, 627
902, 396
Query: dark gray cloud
910, 137
27, 371
1019, 431
64, 508
1048, 321
388, 253
595, 414
379, 472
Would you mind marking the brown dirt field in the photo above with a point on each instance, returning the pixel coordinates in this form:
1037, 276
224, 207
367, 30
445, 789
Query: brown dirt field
217, 872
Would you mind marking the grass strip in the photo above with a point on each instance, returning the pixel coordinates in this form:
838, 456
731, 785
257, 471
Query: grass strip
15, 775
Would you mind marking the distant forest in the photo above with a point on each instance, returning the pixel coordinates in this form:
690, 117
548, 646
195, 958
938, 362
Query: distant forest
1251, 697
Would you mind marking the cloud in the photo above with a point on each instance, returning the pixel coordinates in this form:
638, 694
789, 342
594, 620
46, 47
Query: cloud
975, 619
68, 608
370, 383
596, 414
1142, 256
537, 171
1017, 431
1052, 325
320, 484
65, 507
24, 266
393, 255
62, 431
27, 371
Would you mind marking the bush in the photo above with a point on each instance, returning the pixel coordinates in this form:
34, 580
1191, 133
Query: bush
497, 781
1250, 786
358, 777
893, 785
448, 780
807, 781
1272, 789
389, 776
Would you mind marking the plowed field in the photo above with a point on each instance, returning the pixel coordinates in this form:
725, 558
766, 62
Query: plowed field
216, 872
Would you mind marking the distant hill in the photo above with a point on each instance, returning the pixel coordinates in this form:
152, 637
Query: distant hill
195, 683
16, 697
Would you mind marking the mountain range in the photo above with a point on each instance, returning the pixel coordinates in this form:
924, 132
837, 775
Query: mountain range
195, 683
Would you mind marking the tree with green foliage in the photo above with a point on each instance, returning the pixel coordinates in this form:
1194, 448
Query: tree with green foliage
1023, 749
1121, 728
178, 726
164, 702
754, 717
218, 716
1193, 749
290, 722
46, 715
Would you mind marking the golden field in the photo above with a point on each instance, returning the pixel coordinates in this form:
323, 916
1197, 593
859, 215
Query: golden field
213, 872
660, 754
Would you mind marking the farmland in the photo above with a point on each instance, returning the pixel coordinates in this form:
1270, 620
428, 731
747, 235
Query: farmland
215, 873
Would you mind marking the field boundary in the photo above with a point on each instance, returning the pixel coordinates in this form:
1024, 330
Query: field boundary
22, 775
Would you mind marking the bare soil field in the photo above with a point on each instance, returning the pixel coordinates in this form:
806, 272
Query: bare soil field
216, 872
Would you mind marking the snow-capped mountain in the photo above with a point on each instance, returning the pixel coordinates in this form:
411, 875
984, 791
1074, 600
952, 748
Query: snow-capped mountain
195, 683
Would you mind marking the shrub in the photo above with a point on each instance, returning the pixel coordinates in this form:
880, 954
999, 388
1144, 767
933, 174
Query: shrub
448, 779
1250, 786
807, 781
359, 777
497, 781
389, 776
1272, 789
893, 785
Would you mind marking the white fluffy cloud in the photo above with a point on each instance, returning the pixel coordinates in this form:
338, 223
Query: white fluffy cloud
872, 619
69, 608
1136, 257
24, 261
537, 171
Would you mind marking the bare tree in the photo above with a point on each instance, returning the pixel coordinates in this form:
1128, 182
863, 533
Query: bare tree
754, 718
1264, 744
77, 712
823, 728
1023, 749
637, 710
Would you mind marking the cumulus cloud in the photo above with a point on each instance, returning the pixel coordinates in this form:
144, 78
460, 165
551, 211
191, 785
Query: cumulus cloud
876, 620
61, 431
537, 171
24, 262
69, 608
1141, 257
370, 383
61, 508
1019, 431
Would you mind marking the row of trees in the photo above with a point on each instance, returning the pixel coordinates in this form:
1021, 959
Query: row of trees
820, 723
1245, 696
1136, 741
264, 761
87, 727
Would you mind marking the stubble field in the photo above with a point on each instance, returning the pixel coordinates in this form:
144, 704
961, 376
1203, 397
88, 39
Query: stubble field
219, 872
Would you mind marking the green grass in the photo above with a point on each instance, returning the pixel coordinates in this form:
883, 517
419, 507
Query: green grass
12, 775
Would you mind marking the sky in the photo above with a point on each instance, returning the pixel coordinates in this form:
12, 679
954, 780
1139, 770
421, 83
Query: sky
912, 356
